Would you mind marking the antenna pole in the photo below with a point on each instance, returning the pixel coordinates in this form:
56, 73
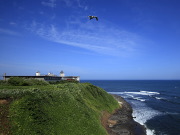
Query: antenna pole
4, 76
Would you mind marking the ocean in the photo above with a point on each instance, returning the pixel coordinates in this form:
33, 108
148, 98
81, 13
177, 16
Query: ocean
155, 103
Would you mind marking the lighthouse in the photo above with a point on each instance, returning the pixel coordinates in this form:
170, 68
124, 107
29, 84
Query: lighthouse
38, 73
62, 74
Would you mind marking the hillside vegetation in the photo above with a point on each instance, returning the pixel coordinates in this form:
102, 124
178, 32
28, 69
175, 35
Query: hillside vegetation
56, 109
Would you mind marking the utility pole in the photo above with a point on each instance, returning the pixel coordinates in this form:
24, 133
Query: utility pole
4, 76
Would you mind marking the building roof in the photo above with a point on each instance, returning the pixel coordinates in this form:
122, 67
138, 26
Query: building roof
40, 76
61, 72
31, 76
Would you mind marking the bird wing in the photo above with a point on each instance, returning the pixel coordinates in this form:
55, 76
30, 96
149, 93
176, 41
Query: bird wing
90, 17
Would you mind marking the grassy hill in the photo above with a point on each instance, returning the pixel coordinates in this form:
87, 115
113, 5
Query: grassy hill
56, 109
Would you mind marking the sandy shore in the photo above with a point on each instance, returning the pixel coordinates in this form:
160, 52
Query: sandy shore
122, 123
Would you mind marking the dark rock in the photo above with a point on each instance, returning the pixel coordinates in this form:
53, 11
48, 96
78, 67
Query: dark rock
122, 123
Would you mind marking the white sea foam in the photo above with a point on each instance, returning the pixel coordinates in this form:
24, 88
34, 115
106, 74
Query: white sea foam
148, 93
134, 95
159, 98
150, 132
141, 111
154, 93
139, 99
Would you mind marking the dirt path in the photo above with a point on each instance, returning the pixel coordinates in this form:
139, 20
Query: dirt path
4, 112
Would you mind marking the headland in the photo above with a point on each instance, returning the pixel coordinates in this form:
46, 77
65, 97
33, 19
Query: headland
66, 108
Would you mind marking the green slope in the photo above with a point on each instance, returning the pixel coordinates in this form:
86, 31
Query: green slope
63, 109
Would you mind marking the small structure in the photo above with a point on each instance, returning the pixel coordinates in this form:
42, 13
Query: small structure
50, 74
38, 73
62, 74
48, 77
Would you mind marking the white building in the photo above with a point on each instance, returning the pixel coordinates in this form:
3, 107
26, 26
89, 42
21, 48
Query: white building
62, 74
48, 77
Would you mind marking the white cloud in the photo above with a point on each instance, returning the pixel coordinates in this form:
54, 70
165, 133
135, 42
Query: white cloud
12, 23
75, 4
9, 32
81, 5
94, 36
68, 3
50, 3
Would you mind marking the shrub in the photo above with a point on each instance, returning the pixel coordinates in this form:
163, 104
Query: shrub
16, 81
2, 82
63, 81
36, 82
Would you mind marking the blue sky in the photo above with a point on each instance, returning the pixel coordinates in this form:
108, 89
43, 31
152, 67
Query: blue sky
133, 39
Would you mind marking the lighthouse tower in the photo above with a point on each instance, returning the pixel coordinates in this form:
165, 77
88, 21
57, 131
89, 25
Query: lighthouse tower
62, 74
38, 73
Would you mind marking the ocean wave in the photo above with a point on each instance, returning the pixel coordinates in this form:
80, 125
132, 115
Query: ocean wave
140, 109
139, 99
150, 132
167, 100
143, 113
148, 93
159, 98
135, 95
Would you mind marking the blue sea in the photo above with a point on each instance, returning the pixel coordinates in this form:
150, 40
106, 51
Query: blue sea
155, 103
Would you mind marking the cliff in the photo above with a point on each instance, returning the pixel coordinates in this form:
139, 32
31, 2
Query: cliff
62, 109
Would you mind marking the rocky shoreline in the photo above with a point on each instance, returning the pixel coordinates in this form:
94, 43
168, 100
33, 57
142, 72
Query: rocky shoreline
122, 123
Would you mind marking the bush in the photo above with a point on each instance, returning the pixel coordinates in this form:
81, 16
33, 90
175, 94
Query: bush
37, 82
2, 82
18, 81
63, 81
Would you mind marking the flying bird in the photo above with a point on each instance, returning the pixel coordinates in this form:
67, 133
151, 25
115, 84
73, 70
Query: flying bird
91, 17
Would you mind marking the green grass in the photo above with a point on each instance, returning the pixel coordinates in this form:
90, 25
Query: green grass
62, 109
